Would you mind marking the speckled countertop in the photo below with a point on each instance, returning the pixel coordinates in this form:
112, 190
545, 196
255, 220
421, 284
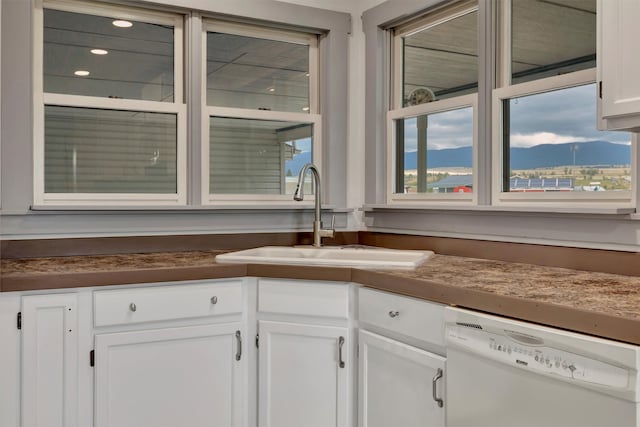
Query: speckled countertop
601, 304
614, 294
11, 268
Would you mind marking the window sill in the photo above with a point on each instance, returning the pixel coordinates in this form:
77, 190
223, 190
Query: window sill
291, 207
571, 210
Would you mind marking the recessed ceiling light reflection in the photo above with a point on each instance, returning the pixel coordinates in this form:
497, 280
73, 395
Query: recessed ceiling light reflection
122, 24
99, 51
272, 89
305, 108
81, 73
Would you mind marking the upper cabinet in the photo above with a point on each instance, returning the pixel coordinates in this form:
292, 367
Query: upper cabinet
618, 64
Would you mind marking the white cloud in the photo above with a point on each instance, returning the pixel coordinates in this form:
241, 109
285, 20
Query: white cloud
537, 138
531, 139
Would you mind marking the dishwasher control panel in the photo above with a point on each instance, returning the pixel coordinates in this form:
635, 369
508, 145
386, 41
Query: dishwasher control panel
530, 353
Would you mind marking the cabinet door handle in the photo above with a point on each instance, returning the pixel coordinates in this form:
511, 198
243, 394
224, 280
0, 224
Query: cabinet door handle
214, 300
133, 307
394, 313
340, 345
239, 350
434, 390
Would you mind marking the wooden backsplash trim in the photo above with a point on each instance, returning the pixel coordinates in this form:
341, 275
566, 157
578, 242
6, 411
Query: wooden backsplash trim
605, 261
12, 249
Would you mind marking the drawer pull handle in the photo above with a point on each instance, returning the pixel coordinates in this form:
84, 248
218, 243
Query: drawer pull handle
394, 313
340, 344
239, 350
434, 390
214, 300
133, 307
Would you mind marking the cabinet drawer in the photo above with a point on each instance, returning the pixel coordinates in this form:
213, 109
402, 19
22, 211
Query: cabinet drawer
128, 306
419, 319
303, 298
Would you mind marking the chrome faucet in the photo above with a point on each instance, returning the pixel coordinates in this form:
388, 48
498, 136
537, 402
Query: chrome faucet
318, 231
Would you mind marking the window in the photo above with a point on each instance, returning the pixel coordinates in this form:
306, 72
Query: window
547, 148
432, 124
109, 111
261, 120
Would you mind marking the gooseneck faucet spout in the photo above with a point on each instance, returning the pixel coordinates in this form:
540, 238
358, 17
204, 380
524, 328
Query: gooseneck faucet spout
318, 231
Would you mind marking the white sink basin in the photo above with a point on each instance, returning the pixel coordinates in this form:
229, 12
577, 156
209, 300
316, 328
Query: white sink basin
329, 256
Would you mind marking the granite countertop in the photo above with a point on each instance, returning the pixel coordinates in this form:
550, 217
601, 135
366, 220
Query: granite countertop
601, 304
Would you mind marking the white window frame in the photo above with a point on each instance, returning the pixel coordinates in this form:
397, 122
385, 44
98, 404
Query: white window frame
581, 199
398, 112
177, 107
312, 117
441, 106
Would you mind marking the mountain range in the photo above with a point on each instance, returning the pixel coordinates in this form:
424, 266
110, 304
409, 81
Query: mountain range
591, 153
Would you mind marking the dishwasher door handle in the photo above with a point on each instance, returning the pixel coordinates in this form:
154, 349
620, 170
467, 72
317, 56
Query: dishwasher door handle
434, 387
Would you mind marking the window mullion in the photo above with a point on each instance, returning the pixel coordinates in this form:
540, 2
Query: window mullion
504, 44
487, 53
193, 59
399, 160
422, 122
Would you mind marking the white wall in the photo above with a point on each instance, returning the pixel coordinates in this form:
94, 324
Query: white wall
355, 160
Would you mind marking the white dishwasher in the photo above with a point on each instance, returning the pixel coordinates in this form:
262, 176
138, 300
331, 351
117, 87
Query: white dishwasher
506, 373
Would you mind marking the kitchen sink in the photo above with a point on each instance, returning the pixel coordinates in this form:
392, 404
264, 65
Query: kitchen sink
336, 256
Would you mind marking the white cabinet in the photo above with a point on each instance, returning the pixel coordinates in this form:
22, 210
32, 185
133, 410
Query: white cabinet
171, 355
410, 318
400, 385
618, 64
189, 376
10, 355
128, 306
304, 368
49, 360
180, 354
303, 375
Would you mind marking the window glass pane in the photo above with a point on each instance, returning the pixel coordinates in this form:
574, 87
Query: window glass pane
257, 156
553, 145
434, 153
551, 37
89, 55
105, 151
248, 72
441, 61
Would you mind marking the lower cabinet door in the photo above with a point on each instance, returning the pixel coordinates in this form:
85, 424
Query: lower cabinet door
303, 375
49, 360
399, 384
189, 376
